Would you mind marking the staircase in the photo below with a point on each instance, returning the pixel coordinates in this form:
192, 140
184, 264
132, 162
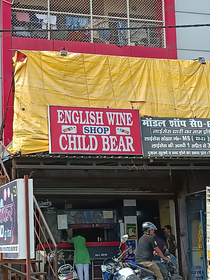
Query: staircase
42, 267
17, 274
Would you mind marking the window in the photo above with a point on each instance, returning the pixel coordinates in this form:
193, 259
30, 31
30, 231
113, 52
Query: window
69, 16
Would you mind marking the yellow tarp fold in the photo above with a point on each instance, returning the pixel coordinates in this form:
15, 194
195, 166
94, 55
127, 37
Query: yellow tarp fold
157, 87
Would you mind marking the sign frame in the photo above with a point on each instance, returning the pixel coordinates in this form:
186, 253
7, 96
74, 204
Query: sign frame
165, 137
15, 192
135, 131
103, 131
131, 231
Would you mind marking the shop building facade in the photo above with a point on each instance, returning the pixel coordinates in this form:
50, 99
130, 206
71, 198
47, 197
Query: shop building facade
87, 189
157, 184
129, 189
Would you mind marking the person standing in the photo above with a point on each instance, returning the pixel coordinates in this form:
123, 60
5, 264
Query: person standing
170, 240
161, 245
146, 247
82, 257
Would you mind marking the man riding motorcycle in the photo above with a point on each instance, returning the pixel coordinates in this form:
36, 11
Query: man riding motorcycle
146, 246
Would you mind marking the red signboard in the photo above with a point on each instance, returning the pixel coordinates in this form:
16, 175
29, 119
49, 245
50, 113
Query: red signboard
79, 130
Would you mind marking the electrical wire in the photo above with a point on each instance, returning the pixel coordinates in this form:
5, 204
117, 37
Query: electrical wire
118, 28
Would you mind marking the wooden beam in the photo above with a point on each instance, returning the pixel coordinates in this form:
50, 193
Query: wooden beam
6, 268
13, 261
5, 273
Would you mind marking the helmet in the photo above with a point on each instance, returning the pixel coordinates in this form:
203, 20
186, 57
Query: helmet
147, 226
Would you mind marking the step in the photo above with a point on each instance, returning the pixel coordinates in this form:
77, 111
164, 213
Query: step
17, 272
38, 273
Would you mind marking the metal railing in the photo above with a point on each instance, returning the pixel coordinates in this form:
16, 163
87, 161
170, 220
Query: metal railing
91, 21
45, 245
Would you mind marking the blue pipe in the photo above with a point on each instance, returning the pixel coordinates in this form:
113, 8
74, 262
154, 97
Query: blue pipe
203, 245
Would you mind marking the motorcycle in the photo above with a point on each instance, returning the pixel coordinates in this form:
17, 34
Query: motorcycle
65, 271
116, 269
169, 270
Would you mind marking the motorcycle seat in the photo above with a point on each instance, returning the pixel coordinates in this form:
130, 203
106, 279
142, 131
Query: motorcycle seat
131, 265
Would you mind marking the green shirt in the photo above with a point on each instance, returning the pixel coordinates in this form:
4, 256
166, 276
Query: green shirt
81, 251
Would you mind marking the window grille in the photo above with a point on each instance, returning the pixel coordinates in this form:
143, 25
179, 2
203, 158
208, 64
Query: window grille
96, 21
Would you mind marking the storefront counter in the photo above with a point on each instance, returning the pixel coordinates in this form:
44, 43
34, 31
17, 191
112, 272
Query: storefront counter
97, 250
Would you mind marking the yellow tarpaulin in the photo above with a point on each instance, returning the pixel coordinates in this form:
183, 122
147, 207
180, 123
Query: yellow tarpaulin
157, 87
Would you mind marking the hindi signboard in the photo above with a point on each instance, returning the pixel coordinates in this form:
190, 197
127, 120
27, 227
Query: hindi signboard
78, 130
12, 219
173, 137
8, 218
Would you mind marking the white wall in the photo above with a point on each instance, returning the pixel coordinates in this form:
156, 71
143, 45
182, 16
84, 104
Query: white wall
193, 42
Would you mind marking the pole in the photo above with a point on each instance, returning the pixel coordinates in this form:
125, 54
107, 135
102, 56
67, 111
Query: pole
128, 22
203, 245
28, 264
178, 233
48, 19
91, 21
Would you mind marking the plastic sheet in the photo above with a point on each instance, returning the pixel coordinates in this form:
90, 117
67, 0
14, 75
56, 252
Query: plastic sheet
157, 87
